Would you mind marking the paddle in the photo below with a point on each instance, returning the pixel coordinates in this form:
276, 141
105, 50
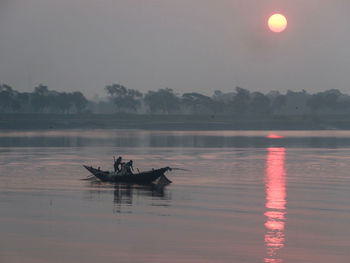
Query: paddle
88, 178
180, 169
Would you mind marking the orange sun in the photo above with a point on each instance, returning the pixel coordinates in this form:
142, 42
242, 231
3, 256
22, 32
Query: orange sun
277, 23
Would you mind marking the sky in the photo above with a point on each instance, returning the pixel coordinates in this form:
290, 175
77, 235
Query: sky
186, 45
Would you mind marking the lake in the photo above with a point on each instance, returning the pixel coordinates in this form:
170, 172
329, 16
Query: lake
250, 196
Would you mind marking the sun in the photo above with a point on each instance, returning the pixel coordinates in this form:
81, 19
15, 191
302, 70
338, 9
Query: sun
277, 23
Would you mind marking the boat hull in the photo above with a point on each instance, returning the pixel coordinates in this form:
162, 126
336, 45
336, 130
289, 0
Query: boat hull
147, 177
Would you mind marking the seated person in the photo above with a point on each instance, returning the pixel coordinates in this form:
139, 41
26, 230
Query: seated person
117, 163
129, 167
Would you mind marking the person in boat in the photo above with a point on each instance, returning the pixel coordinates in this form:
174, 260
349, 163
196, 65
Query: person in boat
123, 170
129, 167
117, 163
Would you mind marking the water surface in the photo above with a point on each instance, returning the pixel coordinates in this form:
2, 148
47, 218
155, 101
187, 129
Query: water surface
249, 197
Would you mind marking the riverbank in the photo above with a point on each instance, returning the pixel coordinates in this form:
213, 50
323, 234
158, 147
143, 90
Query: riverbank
170, 122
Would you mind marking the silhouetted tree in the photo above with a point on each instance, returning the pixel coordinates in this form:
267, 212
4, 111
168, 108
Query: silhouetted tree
260, 104
296, 102
278, 103
124, 99
241, 101
324, 100
198, 103
344, 103
79, 101
116, 90
6, 98
315, 102
41, 90
23, 98
218, 94
165, 101
39, 99
162, 101
331, 98
62, 101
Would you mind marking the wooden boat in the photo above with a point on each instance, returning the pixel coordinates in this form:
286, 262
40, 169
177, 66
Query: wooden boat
147, 177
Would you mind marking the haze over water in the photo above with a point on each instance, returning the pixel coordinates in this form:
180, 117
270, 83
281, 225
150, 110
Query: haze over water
247, 198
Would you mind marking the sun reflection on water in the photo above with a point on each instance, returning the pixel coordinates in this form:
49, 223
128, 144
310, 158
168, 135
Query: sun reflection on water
275, 182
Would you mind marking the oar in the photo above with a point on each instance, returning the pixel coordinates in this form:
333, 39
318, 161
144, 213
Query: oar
180, 169
88, 178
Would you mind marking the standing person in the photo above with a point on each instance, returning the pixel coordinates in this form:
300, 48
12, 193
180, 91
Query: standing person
117, 163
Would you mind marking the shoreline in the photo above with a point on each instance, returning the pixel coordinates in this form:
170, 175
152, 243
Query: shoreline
170, 122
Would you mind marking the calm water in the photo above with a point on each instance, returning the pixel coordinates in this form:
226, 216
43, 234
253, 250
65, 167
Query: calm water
249, 197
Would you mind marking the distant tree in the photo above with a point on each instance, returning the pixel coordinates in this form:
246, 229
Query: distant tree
124, 99
260, 104
116, 90
50, 101
39, 98
328, 100
195, 101
15, 105
6, 98
79, 101
23, 98
241, 101
165, 101
63, 101
200, 104
344, 103
218, 94
21, 102
223, 97
41, 90
296, 102
315, 102
162, 101
278, 103
331, 98
7, 88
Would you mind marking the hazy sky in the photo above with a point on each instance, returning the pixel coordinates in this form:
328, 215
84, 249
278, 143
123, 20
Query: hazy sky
186, 45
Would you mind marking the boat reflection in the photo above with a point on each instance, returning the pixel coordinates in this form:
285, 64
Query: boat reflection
275, 183
124, 193
125, 196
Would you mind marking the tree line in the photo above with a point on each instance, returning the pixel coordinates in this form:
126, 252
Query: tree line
41, 100
239, 102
